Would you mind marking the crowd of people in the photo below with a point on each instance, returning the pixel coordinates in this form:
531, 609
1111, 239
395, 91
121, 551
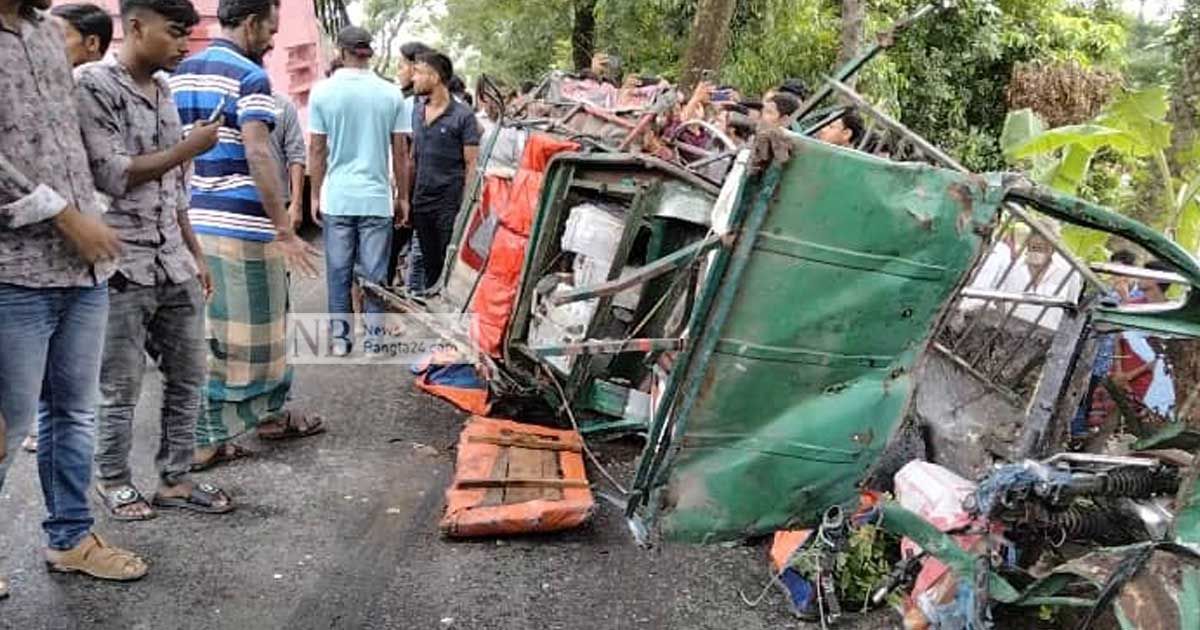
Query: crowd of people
149, 203
149, 206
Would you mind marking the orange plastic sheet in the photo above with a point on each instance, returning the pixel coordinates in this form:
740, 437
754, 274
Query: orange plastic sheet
514, 478
448, 376
496, 295
494, 197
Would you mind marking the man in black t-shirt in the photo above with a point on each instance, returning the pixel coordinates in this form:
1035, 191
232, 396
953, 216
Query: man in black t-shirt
445, 148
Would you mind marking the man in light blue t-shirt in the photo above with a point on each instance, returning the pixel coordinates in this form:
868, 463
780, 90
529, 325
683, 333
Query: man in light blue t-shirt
357, 123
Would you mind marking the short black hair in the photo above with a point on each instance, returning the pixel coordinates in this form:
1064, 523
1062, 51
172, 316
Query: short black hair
854, 123
785, 103
527, 86
231, 13
411, 50
440, 64
1124, 257
1158, 265
457, 85
181, 12
795, 87
88, 19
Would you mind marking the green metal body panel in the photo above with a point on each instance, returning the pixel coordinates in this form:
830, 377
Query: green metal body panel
802, 369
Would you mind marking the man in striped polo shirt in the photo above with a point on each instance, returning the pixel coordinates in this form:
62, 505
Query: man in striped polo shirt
238, 213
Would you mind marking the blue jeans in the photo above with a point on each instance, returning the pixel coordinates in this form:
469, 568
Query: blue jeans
51, 341
354, 242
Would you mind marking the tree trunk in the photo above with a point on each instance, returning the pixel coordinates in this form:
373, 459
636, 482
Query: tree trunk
583, 34
1185, 91
854, 20
708, 41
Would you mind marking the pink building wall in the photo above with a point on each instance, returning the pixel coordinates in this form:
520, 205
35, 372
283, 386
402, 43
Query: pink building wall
297, 62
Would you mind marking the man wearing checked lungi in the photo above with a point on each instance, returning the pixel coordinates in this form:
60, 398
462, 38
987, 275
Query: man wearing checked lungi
238, 213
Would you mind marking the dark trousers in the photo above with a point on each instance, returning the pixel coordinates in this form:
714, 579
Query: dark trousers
400, 238
434, 230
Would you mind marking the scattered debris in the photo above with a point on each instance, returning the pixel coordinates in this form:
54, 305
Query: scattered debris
514, 478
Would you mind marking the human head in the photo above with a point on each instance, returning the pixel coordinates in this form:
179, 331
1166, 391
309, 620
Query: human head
156, 31
457, 86
88, 30
778, 108
846, 131
1124, 257
433, 70
606, 66
252, 24
1038, 253
1157, 291
796, 88
27, 6
354, 46
408, 60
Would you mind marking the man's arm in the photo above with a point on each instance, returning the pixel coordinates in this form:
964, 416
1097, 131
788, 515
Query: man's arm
295, 157
400, 173
318, 153
183, 202
471, 135
257, 137
24, 203
103, 132
470, 156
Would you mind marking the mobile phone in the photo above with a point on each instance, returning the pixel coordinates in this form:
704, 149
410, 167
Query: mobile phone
722, 95
217, 111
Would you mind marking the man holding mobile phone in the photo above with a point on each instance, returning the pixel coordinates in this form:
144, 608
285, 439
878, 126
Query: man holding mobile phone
137, 152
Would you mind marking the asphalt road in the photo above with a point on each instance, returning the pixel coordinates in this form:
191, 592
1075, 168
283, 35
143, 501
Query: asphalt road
340, 531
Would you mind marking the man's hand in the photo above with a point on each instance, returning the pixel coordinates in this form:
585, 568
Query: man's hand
204, 275
203, 137
316, 212
298, 254
88, 234
403, 212
296, 213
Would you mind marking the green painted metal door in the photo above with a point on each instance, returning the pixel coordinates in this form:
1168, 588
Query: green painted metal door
800, 368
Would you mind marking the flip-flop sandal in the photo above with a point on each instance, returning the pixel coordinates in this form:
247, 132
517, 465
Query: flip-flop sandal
314, 425
121, 497
203, 499
224, 453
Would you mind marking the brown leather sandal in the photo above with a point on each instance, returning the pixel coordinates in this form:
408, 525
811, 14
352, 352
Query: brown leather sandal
94, 557
292, 425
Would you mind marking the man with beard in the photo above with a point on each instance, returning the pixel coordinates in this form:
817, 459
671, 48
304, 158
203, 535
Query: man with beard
414, 277
445, 147
137, 152
56, 255
238, 214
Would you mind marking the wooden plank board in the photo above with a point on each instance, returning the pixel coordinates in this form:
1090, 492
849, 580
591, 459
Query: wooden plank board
527, 442
524, 463
522, 483
495, 494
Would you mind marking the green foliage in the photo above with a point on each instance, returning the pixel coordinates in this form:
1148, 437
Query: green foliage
516, 40
945, 78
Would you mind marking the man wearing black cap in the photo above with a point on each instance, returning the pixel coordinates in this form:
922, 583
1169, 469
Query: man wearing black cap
445, 146
355, 119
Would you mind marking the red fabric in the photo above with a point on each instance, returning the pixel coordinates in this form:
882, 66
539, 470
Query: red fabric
494, 198
493, 301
